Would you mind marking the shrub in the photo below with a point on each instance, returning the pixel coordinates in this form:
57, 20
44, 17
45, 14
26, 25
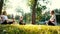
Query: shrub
29, 29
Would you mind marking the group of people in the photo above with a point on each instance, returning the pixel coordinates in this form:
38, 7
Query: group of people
4, 19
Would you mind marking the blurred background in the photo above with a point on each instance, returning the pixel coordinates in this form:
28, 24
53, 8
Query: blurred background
33, 11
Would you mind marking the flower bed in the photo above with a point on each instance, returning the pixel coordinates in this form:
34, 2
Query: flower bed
29, 29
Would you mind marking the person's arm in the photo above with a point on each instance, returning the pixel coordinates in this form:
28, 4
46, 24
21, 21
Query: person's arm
6, 19
53, 20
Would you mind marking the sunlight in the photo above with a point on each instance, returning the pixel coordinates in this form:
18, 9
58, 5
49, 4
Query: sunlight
20, 4
54, 5
23, 5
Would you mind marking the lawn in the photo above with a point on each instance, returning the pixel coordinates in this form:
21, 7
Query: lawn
29, 29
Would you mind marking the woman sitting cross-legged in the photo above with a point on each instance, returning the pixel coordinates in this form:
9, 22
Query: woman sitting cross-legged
4, 19
52, 20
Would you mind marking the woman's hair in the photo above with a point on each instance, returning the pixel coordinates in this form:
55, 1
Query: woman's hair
52, 12
4, 13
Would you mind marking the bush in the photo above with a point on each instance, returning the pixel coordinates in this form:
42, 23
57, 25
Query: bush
29, 29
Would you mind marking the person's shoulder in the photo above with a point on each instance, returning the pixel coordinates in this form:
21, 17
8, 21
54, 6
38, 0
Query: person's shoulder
1, 15
53, 15
5, 15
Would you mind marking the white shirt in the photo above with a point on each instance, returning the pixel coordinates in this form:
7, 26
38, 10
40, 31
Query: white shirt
4, 17
52, 18
21, 18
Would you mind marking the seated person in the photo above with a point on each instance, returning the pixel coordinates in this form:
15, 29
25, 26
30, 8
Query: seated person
52, 20
4, 19
21, 20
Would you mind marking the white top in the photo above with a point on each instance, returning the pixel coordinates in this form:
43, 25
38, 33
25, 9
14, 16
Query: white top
3, 18
53, 19
21, 18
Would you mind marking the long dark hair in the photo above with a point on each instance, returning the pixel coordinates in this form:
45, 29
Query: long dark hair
52, 12
4, 13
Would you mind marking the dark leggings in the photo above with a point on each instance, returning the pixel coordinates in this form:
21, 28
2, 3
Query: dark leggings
10, 23
21, 22
50, 23
5, 22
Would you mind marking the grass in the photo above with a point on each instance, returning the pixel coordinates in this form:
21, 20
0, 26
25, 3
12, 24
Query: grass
29, 29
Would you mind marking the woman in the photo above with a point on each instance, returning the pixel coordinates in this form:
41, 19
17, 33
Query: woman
52, 19
21, 20
5, 19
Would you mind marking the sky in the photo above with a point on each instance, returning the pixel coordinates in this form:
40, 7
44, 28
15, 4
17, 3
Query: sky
23, 5
54, 4
20, 4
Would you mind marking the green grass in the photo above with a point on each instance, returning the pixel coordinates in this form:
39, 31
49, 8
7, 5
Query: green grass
29, 29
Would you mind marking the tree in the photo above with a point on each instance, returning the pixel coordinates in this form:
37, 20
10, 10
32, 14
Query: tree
39, 9
36, 9
33, 12
19, 10
32, 4
1, 5
27, 17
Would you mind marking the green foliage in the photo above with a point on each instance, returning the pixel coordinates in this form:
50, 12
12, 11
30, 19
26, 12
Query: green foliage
29, 29
31, 2
58, 19
17, 17
39, 8
9, 16
27, 17
1, 5
57, 11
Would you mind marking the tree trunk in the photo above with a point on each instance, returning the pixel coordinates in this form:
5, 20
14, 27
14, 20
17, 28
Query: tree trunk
33, 12
1, 5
